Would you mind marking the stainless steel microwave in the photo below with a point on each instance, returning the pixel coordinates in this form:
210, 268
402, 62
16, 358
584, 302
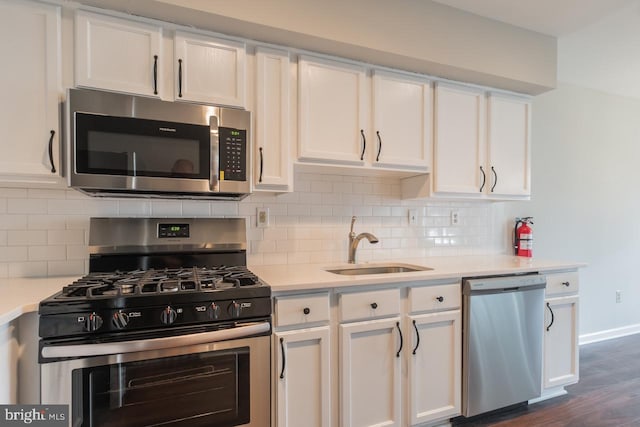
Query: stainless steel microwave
124, 145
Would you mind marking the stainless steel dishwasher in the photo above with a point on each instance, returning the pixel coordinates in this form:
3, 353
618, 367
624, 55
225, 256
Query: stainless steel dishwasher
502, 341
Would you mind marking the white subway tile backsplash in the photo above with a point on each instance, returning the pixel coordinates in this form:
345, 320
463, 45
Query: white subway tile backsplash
13, 253
196, 208
29, 269
45, 231
26, 237
47, 253
26, 206
65, 268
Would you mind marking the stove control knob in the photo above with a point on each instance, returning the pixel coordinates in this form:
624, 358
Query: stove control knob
213, 311
234, 309
168, 315
120, 320
93, 322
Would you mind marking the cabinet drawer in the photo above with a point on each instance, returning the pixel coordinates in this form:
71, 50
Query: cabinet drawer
435, 298
300, 309
369, 305
562, 283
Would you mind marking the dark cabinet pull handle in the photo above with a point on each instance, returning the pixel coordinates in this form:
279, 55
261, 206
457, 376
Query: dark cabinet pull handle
179, 78
374, 305
440, 299
567, 284
399, 333
306, 310
417, 337
495, 175
484, 179
552, 317
53, 166
364, 144
261, 164
284, 360
379, 146
155, 74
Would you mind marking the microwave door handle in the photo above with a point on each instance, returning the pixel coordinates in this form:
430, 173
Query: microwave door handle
214, 141
103, 349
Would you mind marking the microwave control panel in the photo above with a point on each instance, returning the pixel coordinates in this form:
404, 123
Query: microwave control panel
233, 154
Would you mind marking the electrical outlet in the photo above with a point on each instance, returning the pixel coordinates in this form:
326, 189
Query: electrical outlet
455, 218
413, 216
262, 217
618, 296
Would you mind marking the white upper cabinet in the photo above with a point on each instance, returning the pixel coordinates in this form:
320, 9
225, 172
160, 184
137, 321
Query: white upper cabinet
30, 83
117, 54
459, 145
209, 70
331, 111
272, 164
508, 136
401, 121
482, 145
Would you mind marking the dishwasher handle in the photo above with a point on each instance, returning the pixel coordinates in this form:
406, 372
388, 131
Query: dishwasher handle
495, 285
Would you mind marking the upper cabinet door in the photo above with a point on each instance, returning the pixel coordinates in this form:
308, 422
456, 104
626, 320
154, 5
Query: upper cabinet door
209, 70
272, 118
332, 121
401, 121
459, 146
30, 83
509, 137
118, 55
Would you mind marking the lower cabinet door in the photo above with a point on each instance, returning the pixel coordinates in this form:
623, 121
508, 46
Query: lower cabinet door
561, 341
435, 363
370, 370
303, 379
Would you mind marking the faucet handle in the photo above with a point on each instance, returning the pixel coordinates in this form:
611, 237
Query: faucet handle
353, 220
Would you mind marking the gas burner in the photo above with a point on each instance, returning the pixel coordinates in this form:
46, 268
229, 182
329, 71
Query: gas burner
160, 281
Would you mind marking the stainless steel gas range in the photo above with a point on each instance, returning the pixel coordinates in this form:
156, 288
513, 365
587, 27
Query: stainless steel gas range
168, 328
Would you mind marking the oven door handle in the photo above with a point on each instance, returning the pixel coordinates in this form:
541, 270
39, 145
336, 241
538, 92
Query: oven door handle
103, 349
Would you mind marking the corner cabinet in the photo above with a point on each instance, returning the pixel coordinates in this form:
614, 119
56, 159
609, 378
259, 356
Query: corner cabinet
102, 62
302, 382
482, 144
272, 165
209, 70
30, 82
336, 100
561, 350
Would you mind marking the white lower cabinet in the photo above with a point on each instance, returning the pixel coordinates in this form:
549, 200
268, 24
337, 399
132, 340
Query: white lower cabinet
370, 373
561, 351
301, 360
561, 342
435, 358
303, 378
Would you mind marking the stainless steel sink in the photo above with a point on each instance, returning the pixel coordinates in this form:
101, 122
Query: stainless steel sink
357, 270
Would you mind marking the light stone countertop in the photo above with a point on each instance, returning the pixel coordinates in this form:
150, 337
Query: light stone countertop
22, 295
301, 277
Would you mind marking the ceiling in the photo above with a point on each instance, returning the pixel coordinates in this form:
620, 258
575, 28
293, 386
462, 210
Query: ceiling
553, 17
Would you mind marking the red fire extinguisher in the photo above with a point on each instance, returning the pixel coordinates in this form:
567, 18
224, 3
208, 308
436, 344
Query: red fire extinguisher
523, 237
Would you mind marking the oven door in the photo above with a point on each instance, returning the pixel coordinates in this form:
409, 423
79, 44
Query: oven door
212, 384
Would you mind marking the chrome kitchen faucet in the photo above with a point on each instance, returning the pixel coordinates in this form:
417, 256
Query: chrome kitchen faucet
354, 240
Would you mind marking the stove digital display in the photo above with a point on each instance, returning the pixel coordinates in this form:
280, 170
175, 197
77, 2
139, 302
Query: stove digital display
173, 230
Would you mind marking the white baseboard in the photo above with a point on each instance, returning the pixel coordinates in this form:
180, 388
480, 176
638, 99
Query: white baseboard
609, 334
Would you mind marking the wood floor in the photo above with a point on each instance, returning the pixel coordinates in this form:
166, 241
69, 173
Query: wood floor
608, 393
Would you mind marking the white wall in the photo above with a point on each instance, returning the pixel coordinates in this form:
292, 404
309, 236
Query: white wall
586, 181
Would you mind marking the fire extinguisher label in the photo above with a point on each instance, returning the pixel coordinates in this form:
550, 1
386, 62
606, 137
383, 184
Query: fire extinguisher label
526, 242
